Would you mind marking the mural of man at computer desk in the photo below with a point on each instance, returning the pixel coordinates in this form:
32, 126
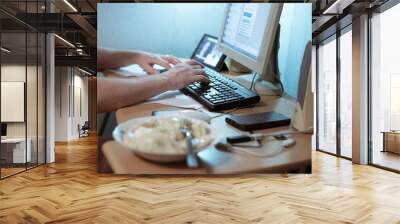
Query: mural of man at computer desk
178, 114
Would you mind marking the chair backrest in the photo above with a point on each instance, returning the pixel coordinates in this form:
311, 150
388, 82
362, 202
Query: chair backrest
86, 125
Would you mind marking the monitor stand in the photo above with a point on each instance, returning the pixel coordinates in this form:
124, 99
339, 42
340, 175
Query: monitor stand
262, 87
235, 67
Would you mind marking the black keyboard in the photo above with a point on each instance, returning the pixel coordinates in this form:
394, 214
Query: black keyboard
222, 93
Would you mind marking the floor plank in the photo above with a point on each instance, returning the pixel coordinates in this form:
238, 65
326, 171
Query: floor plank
71, 191
386, 159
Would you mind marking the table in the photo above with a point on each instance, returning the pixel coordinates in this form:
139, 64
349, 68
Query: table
16, 152
391, 141
213, 160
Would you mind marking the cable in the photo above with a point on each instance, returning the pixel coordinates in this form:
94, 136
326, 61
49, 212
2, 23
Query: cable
253, 81
272, 150
226, 112
281, 84
229, 112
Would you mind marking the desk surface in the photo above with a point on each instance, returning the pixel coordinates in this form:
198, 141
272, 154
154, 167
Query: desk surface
391, 132
13, 140
214, 160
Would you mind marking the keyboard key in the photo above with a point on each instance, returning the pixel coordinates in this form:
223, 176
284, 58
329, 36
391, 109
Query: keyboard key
218, 101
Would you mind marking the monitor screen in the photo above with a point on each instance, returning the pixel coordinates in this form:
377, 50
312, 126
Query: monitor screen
207, 52
245, 26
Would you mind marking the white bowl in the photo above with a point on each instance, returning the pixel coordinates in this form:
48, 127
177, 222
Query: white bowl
123, 128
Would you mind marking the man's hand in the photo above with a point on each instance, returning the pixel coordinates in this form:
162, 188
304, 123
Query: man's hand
146, 61
183, 74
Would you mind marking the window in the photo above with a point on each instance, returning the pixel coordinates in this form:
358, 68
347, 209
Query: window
346, 93
385, 89
22, 77
334, 121
326, 137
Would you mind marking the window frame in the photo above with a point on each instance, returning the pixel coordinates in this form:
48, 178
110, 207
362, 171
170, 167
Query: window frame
379, 10
334, 37
27, 29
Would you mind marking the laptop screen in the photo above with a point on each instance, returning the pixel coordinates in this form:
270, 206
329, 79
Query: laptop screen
207, 53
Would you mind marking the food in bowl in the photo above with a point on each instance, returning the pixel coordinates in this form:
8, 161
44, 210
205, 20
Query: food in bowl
163, 136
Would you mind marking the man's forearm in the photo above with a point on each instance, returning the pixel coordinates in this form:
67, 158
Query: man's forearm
114, 93
109, 59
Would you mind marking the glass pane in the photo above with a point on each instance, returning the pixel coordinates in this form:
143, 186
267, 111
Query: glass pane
346, 94
32, 88
32, 98
13, 85
385, 84
327, 97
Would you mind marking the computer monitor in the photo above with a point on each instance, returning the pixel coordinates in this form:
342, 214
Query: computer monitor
248, 36
3, 129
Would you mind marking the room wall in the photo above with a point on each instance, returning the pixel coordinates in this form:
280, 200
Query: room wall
80, 110
14, 73
172, 29
62, 77
69, 82
295, 34
34, 124
17, 73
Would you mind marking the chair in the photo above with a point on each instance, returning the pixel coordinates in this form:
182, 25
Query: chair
84, 130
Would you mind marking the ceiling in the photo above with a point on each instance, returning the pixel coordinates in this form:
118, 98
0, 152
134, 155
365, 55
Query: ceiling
76, 22
73, 20
332, 15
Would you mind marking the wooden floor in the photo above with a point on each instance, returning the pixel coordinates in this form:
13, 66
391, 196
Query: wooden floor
10, 171
386, 159
71, 191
